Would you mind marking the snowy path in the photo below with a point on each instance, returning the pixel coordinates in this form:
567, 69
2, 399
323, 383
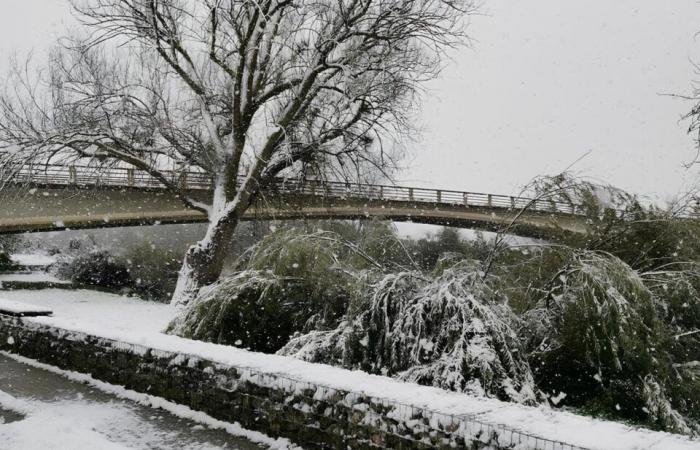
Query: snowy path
137, 322
64, 414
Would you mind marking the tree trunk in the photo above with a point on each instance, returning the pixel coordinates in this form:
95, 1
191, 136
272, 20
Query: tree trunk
203, 261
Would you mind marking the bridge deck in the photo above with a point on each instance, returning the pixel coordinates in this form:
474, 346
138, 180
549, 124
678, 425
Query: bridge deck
50, 197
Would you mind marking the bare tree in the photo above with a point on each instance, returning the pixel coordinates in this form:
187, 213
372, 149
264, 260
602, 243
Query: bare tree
241, 90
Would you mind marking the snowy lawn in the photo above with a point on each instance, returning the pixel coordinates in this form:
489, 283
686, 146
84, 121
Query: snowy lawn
33, 259
137, 322
33, 277
22, 309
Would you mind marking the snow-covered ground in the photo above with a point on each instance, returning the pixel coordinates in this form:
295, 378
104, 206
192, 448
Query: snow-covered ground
137, 322
22, 308
67, 412
38, 264
33, 259
33, 277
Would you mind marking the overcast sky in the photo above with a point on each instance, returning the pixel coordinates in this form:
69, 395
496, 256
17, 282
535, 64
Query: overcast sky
544, 82
549, 80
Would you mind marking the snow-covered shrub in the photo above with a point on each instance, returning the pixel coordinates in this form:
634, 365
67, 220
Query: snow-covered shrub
7, 245
289, 282
453, 331
652, 240
251, 309
152, 270
660, 411
678, 292
379, 245
96, 268
525, 274
6, 263
596, 337
10, 243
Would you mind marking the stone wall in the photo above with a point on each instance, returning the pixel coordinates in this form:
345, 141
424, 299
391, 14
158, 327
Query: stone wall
313, 416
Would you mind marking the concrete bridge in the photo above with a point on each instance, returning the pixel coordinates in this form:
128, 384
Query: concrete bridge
47, 198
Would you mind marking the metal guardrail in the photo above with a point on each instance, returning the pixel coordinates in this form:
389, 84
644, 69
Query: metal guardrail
125, 177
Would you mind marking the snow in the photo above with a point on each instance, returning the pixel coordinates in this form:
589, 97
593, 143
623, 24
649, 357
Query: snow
61, 418
20, 308
13, 404
92, 311
33, 259
136, 322
57, 428
34, 277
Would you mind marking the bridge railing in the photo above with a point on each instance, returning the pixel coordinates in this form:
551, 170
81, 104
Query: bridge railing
332, 189
129, 177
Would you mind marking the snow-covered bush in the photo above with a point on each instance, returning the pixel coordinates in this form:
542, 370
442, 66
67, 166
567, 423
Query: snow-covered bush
6, 263
652, 240
453, 331
596, 341
678, 292
660, 411
251, 309
580, 327
142, 268
289, 282
7, 245
96, 268
152, 270
10, 243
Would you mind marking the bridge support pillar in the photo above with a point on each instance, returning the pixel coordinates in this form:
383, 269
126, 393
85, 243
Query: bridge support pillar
439, 196
130, 177
410, 194
72, 175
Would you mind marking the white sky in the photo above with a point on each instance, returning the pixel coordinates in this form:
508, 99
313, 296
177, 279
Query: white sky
549, 80
544, 82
